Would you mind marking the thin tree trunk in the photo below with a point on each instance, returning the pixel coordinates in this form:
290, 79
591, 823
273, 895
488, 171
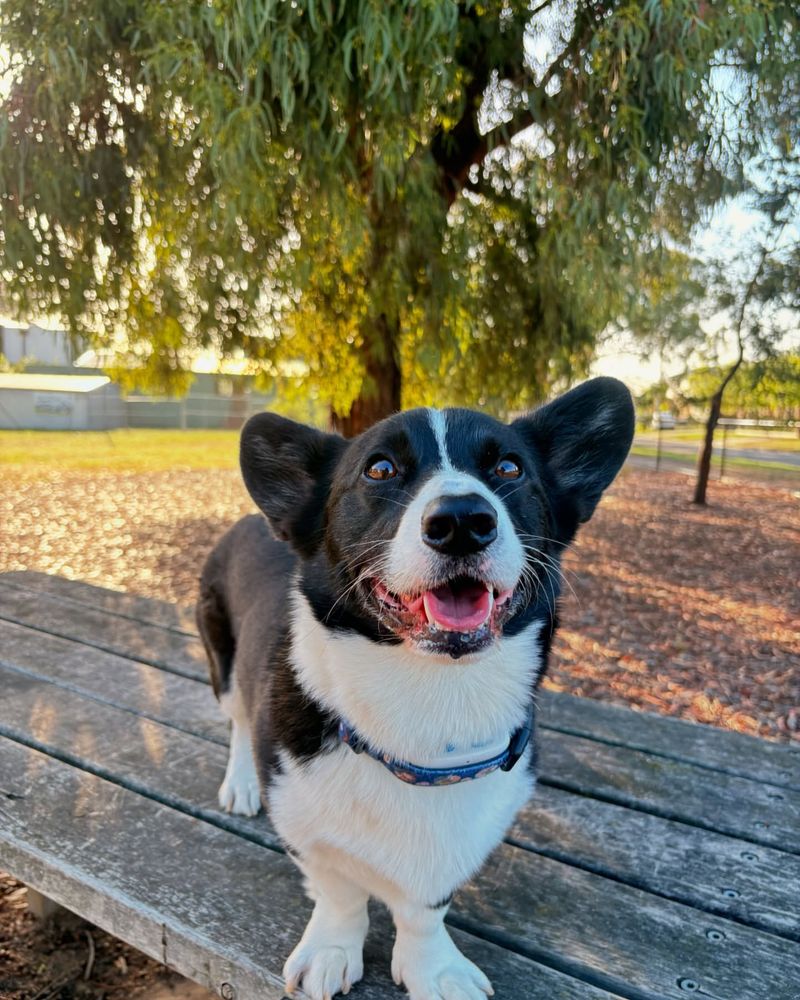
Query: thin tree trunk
704, 459
381, 394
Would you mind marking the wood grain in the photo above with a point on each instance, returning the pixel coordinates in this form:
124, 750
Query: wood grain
207, 903
113, 679
714, 800
118, 602
156, 645
756, 885
677, 739
659, 858
690, 742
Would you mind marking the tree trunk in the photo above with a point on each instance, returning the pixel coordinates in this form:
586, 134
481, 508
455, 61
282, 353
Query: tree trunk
380, 394
704, 459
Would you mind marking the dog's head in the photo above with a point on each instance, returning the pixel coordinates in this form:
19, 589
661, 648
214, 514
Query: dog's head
442, 529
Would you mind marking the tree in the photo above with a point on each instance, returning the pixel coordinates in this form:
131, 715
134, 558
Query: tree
738, 304
698, 311
377, 203
767, 388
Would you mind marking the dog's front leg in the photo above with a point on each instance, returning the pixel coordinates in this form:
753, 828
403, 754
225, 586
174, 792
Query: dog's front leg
328, 958
426, 960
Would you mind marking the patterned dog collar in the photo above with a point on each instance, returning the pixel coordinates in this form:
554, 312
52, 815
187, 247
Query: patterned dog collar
415, 774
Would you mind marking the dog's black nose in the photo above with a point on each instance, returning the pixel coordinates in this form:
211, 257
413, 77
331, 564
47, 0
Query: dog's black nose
459, 525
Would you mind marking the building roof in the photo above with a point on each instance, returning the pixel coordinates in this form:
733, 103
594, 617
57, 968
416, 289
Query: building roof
52, 383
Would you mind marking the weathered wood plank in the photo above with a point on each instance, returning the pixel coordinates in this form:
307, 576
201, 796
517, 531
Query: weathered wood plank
118, 602
107, 677
756, 885
678, 739
152, 644
42, 907
708, 871
714, 800
209, 904
627, 940
167, 764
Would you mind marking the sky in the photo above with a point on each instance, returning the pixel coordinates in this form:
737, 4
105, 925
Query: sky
729, 233
730, 224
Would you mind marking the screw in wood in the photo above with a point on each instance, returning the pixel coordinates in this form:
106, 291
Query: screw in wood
227, 991
688, 985
714, 935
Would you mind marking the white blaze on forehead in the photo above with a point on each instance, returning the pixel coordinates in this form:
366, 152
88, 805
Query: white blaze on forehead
411, 565
438, 422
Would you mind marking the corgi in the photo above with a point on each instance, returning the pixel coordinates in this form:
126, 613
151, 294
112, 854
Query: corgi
376, 636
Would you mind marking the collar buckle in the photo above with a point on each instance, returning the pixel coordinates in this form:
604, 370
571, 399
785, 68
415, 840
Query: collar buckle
519, 740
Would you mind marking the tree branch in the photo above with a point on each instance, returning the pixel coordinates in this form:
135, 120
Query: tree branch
540, 7
456, 150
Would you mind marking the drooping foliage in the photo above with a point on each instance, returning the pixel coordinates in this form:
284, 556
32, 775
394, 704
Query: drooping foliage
446, 198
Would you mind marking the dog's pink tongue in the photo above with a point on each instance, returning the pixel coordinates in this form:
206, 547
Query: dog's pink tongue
459, 610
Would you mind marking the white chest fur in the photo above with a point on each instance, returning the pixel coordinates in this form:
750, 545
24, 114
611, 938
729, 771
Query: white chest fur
426, 841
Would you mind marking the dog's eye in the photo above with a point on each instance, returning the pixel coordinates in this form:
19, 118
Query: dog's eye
507, 468
380, 468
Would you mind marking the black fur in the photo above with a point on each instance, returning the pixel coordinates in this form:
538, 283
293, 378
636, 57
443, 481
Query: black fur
287, 469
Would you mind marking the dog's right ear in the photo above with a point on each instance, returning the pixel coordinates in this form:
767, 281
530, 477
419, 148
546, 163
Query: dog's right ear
287, 469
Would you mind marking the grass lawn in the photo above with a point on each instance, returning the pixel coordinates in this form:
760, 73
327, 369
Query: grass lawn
135, 450
157, 450
732, 461
778, 440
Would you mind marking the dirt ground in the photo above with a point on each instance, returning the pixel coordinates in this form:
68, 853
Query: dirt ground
686, 611
669, 607
69, 959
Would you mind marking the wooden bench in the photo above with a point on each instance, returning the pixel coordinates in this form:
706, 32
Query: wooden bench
659, 859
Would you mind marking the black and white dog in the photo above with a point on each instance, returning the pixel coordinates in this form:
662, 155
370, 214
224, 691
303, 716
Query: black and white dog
377, 642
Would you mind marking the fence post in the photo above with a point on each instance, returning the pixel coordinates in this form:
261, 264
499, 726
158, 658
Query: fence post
658, 446
724, 446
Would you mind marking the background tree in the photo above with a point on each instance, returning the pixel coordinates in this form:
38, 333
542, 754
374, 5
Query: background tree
768, 388
698, 312
376, 203
740, 306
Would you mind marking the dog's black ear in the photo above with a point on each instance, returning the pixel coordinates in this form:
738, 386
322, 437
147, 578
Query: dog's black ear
287, 469
583, 437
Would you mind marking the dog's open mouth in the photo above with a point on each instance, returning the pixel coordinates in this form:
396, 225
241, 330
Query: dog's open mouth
464, 613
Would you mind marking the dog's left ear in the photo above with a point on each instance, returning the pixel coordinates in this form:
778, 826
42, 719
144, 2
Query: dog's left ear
583, 437
287, 469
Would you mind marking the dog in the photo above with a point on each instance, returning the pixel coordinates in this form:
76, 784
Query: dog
376, 640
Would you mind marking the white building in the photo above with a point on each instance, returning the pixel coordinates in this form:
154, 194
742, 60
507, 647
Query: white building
34, 343
59, 402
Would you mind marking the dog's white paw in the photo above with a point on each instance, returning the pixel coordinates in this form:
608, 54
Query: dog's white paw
432, 968
239, 793
324, 970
